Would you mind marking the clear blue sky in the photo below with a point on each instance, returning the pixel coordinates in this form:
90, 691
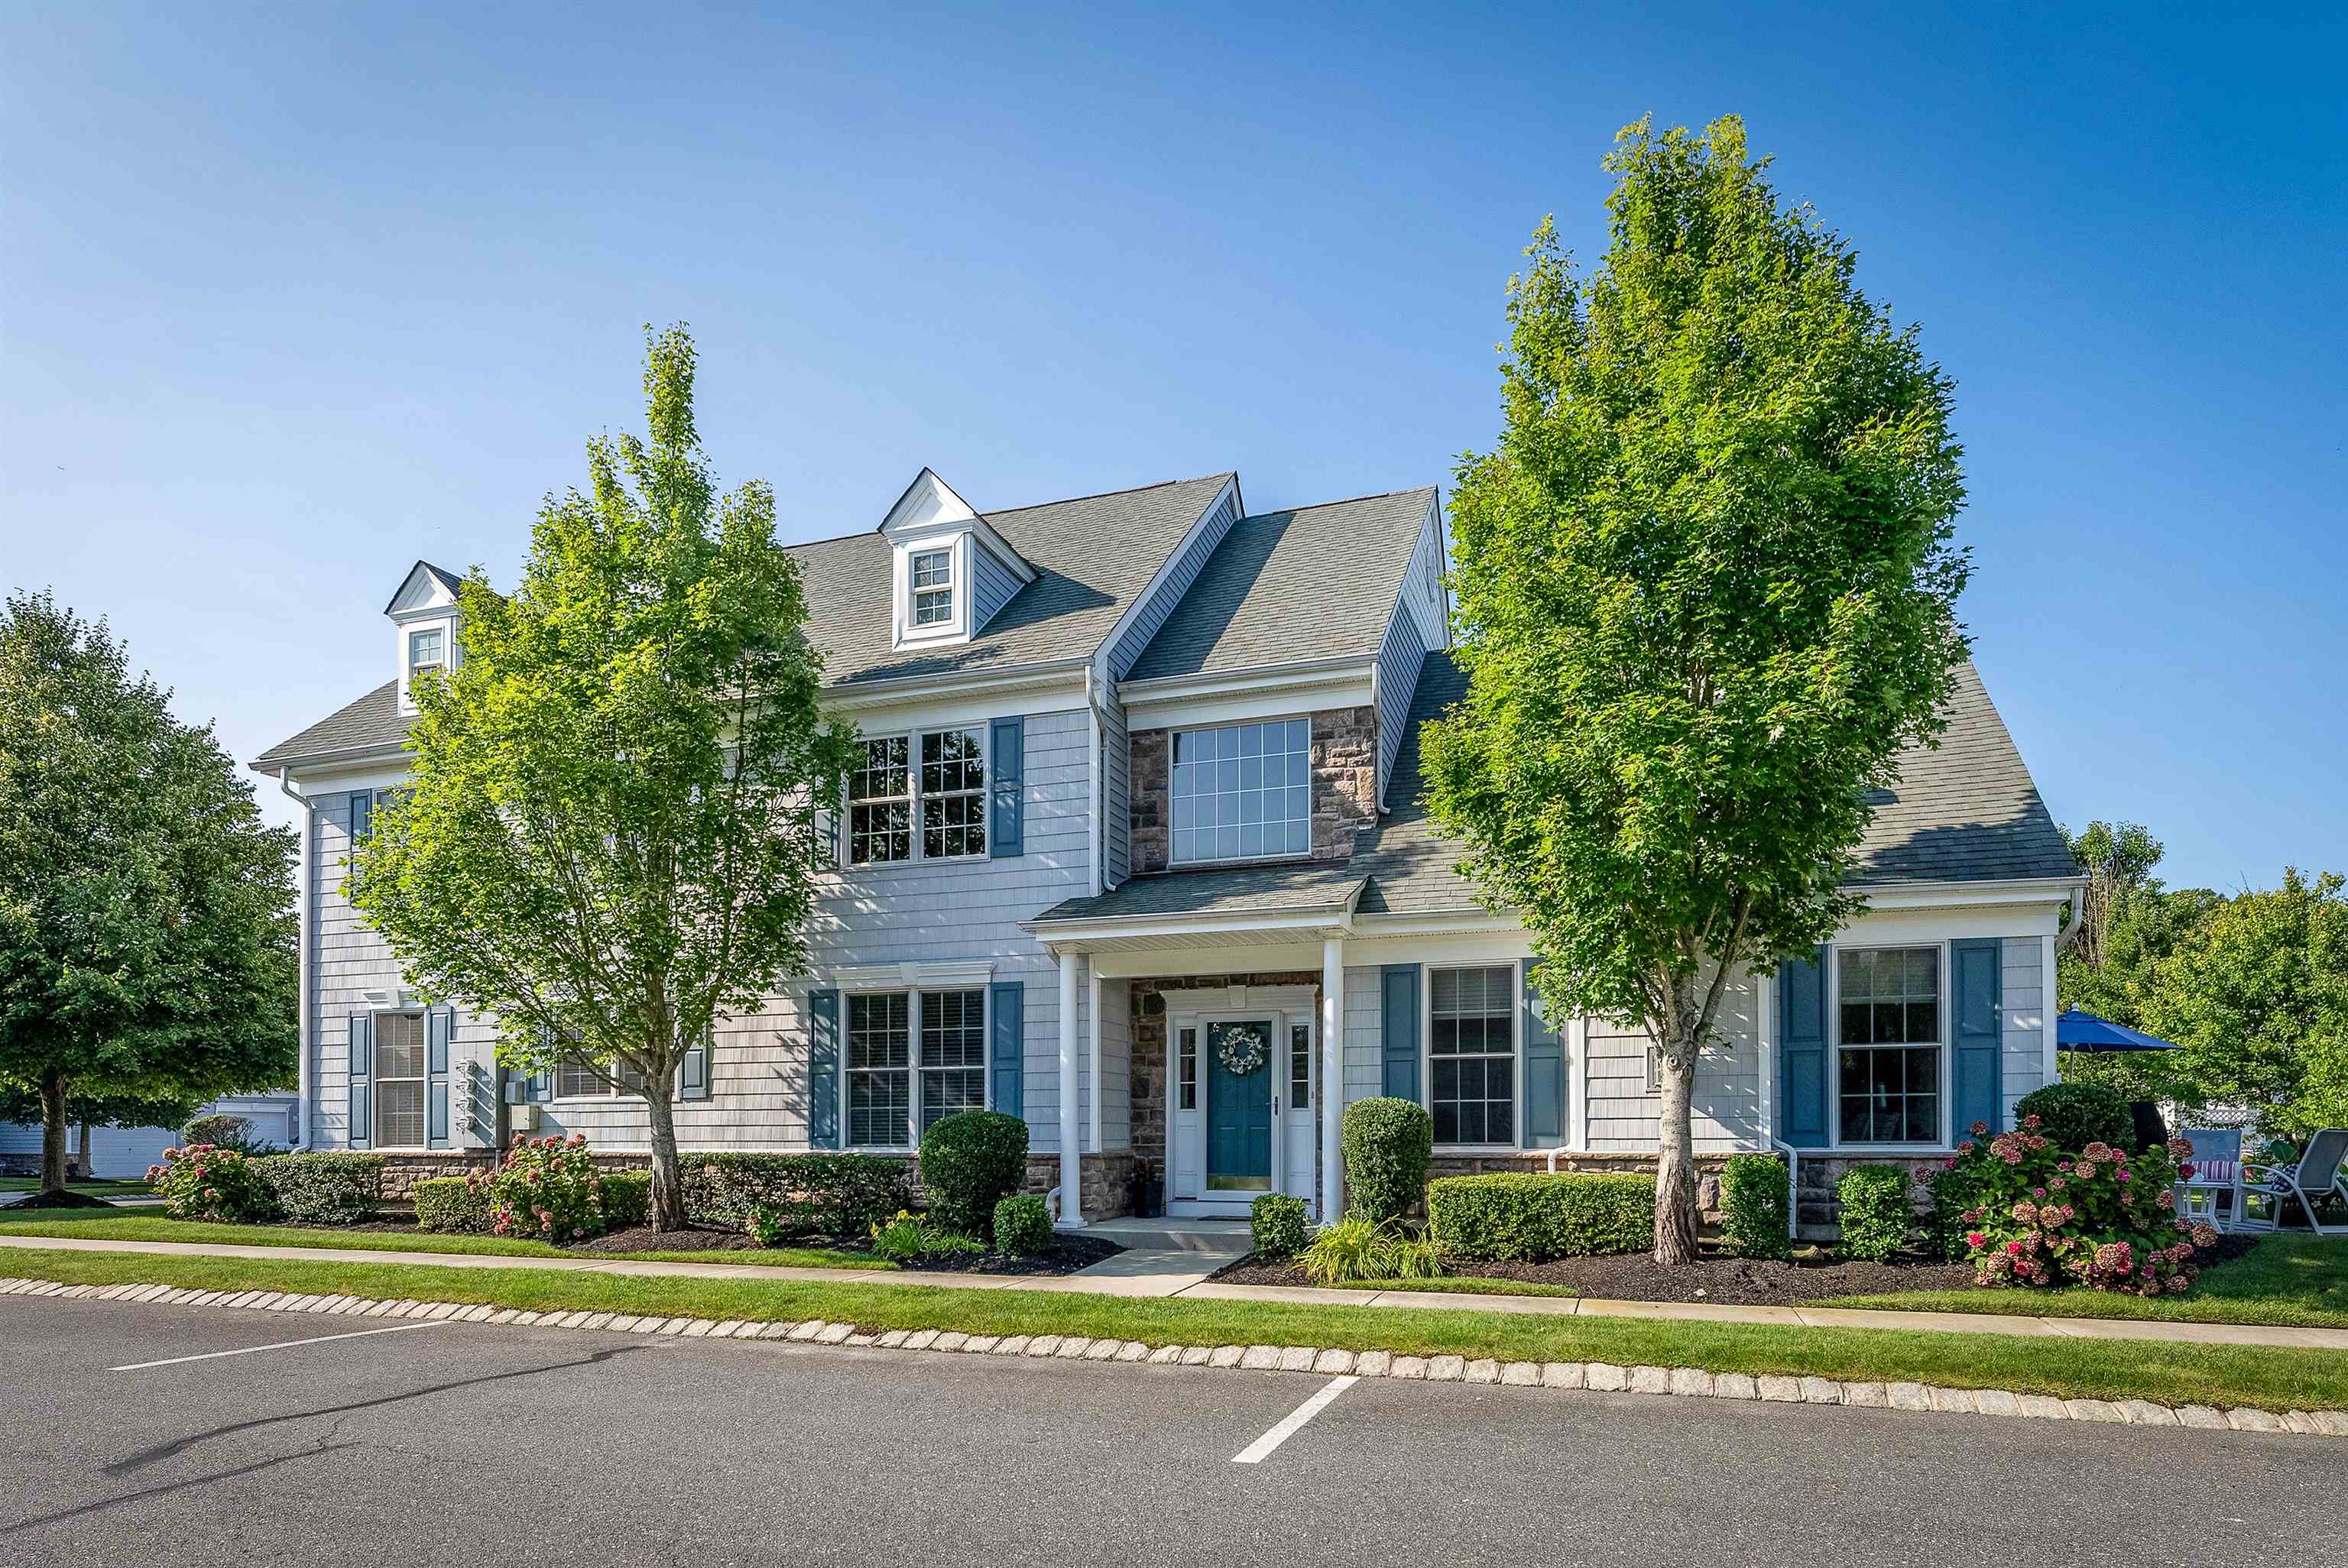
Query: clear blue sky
287, 301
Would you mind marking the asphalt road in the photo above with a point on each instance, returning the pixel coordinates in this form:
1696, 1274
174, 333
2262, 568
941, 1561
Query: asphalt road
468, 1444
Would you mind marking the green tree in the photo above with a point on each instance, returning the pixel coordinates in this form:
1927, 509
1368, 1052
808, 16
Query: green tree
145, 947
608, 836
2257, 994
1705, 593
89, 1111
2127, 921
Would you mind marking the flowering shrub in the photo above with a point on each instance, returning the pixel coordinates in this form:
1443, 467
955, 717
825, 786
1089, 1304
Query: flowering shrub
206, 1182
2102, 1217
546, 1191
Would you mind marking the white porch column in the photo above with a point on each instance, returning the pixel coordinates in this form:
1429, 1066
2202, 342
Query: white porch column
1072, 1185
1333, 1075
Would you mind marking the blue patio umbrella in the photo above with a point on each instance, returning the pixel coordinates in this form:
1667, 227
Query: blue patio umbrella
2077, 1031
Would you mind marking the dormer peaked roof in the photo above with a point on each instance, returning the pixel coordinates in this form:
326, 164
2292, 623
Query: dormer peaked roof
930, 507
950, 570
426, 586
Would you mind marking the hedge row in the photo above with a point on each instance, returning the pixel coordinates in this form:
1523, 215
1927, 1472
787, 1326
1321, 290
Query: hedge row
1533, 1218
803, 1194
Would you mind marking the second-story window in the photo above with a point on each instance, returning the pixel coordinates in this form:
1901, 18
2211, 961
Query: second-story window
937, 777
933, 588
1243, 792
427, 649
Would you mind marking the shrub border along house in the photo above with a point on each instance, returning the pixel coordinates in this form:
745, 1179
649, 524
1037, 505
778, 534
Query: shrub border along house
325, 1189
1756, 1197
1531, 1217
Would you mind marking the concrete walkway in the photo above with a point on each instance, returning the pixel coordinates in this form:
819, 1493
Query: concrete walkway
1149, 1272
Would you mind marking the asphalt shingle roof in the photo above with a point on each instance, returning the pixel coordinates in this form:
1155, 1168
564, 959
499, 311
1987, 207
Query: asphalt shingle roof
372, 722
1963, 812
1309, 583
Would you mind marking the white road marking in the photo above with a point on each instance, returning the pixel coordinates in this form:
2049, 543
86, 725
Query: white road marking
1290, 1424
277, 1345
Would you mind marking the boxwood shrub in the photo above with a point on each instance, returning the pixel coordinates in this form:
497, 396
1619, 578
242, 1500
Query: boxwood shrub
1878, 1211
627, 1198
1532, 1218
1023, 1225
1387, 1143
2073, 1115
799, 1194
1276, 1224
1755, 1198
457, 1205
325, 1189
971, 1160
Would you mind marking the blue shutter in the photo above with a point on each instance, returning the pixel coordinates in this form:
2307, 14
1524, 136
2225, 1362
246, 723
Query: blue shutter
361, 815
439, 1028
693, 1072
1398, 1009
1802, 1052
1007, 765
360, 1062
1006, 1028
823, 1069
1977, 1015
1544, 1075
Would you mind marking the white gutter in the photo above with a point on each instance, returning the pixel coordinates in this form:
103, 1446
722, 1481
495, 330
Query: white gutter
306, 921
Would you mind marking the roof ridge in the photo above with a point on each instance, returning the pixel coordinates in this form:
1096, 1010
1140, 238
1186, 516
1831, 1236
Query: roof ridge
1104, 495
1348, 500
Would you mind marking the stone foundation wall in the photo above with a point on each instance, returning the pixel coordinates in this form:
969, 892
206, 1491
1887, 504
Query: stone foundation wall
1107, 1181
1814, 1203
1345, 787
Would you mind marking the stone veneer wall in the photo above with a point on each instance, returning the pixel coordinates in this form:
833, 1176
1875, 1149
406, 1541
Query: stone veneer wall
1147, 1008
1345, 787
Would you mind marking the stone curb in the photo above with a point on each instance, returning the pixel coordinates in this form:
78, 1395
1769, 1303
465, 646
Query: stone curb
1602, 1376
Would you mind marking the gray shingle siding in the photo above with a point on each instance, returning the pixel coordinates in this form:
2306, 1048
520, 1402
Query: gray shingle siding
1116, 767
991, 588
2023, 963
1623, 1115
1182, 573
1398, 667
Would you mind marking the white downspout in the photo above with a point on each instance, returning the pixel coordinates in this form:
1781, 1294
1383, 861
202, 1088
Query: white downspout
305, 922
1093, 839
1072, 1183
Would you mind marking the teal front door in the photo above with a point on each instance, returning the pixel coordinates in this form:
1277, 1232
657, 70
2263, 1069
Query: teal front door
1238, 1107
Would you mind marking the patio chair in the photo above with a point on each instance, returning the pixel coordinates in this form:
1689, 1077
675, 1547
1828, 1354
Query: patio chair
2267, 1189
2216, 1163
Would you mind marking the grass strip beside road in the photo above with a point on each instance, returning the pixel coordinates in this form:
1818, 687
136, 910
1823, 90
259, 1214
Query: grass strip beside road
2287, 1281
134, 1225
2174, 1374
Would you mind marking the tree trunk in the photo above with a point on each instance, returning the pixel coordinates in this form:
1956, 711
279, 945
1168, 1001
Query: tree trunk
667, 1212
1675, 1139
53, 1131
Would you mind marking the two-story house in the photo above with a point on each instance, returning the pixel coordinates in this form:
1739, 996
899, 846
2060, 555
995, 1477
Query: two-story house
1134, 849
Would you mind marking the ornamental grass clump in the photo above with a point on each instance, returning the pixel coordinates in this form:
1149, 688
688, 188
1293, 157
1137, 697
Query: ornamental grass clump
548, 1190
2102, 1217
206, 1182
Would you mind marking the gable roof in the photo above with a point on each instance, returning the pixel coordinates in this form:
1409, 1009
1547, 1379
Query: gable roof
1091, 555
447, 580
1963, 812
1310, 582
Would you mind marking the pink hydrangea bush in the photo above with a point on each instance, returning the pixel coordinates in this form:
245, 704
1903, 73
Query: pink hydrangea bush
207, 1182
548, 1190
2101, 1217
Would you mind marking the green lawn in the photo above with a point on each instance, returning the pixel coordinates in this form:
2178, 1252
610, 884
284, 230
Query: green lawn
147, 1225
2293, 1281
2221, 1374
87, 1189
1461, 1284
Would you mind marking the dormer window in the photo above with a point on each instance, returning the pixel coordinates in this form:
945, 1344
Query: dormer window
933, 588
428, 648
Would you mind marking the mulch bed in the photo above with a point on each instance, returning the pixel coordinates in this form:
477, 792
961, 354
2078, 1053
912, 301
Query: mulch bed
1067, 1254
1733, 1281
644, 1238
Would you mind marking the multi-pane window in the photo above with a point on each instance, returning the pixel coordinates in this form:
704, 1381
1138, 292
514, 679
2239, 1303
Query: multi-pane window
1472, 1054
953, 1053
1186, 1070
1300, 1067
1243, 792
879, 1068
881, 804
953, 793
427, 649
1888, 1057
887, 792
573, 1078
398, 1092
908, 1050
933, 588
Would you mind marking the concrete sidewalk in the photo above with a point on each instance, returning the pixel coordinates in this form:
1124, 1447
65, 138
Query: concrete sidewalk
1141, 1273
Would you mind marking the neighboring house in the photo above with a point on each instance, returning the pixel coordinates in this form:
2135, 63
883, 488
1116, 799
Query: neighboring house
125, 1153
1135, 851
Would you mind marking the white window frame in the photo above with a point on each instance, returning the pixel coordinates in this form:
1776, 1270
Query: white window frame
1173, 744
1516, 1047
1833, 985
914, 1067
422, 1078
915, 800
439, 661
613, 1089
915, 588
